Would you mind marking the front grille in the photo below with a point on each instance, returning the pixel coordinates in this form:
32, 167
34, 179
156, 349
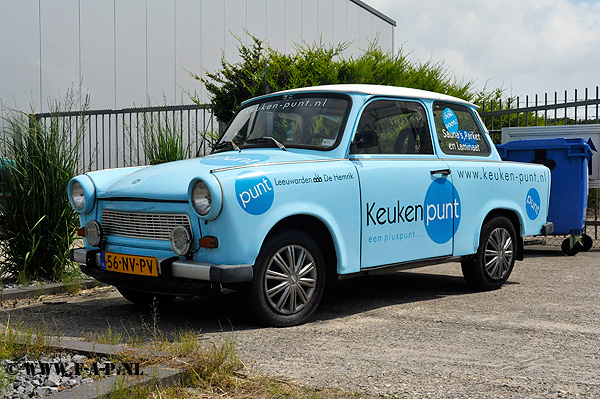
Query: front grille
149, 226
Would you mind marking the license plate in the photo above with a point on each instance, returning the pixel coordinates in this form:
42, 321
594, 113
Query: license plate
131, 264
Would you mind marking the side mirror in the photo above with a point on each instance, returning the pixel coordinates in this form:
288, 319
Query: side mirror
366, 139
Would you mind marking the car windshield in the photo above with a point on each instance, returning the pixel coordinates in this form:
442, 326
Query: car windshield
303, 121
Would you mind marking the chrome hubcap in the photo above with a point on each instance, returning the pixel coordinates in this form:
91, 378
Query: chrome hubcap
290, 279
498, 253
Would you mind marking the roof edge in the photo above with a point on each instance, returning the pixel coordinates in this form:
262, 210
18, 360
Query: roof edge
378, 90
374, 11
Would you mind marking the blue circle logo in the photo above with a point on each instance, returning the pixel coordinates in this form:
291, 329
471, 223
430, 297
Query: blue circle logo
442, 211
450, 120
233, 160
533, 203
254, 192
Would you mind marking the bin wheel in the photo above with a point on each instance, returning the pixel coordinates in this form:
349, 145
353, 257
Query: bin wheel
585, 244
566, 247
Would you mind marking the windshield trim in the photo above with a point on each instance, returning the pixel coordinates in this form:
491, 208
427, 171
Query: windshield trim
295, 95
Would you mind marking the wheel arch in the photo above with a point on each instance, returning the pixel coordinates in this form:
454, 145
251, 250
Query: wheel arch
319, 231
516, 222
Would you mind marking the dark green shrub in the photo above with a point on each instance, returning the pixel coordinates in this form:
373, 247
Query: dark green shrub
263, 69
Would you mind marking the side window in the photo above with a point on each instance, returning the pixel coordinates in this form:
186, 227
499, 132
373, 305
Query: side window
458, 130
401, 128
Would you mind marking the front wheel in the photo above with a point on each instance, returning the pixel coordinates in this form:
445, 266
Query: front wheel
491, 266
289, 278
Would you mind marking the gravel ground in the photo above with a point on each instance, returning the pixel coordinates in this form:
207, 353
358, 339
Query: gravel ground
414, 334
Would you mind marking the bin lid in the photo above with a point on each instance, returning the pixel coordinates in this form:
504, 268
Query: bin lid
574, 146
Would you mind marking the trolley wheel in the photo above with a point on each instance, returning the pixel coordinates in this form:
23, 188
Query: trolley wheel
566, 247
585, 243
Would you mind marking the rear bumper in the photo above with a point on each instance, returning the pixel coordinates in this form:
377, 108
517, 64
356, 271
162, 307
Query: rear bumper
177, 276
547, 228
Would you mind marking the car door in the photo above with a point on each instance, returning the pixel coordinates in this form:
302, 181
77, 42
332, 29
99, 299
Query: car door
407, 207
482, 182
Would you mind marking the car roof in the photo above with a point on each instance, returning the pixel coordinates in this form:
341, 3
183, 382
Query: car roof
379, 90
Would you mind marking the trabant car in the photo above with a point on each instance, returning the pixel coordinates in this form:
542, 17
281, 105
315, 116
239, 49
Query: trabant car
309, 185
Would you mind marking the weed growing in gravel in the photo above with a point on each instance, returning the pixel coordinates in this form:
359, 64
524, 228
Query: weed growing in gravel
18, 341
134, 392
6, 381
109, 336
72, 278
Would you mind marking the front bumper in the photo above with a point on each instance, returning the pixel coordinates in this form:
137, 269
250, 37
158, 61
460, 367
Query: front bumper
177, 276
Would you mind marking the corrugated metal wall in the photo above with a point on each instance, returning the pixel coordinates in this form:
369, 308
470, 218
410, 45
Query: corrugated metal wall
126, 52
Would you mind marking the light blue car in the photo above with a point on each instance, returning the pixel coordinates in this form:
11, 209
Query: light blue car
310, 185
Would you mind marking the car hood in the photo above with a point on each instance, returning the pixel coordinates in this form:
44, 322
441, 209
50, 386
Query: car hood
170, 181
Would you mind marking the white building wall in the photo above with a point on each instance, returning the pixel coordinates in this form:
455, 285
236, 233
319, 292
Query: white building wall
127, 53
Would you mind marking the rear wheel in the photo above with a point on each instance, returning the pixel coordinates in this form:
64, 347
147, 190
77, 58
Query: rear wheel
289, 278
491, 266
144, 298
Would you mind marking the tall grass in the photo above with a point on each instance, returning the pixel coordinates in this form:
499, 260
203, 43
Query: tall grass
162, 139
37, 223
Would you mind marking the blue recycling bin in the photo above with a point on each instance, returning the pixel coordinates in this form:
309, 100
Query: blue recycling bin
568, 160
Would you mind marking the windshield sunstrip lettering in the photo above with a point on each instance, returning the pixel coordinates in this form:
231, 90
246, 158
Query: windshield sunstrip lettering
287, 105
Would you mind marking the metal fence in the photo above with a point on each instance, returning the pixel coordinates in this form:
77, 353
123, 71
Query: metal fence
117, 138
578, 108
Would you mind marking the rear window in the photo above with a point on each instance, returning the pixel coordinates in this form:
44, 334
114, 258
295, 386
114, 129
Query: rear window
458, 130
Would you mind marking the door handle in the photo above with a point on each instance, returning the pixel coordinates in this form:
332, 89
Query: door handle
444, 172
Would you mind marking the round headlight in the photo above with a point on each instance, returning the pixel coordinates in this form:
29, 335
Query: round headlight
93, 233
77, 196
201, 198
181, 240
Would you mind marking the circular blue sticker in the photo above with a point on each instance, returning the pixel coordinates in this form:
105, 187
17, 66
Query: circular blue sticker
233, 160
450, 120
442, 211
254, 192
532, 203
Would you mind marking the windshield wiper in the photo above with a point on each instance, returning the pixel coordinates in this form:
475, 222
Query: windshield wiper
267, 138
230, 142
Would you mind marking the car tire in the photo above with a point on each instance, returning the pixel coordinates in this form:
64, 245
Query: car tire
145, 298
289, 279
491, 266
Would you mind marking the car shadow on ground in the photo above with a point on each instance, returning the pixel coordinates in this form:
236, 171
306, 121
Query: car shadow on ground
362, 294
90, 319
541, 252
